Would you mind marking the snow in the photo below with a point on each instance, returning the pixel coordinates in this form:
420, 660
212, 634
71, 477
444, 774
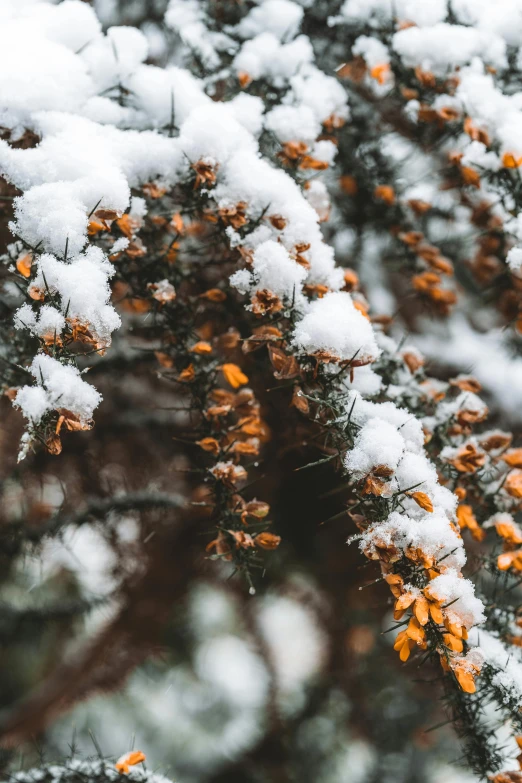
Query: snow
514, 259
323, 94
379, 12
272, 269
377, 443
290, 123
334, 325
59, 386
279, 17
82, 284
432, 535
450, 587
265, 57
372, 50
443, 46
508, 663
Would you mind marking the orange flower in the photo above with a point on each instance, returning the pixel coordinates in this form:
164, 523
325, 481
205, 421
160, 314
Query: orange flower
162, 292
413, 361
244, 79
177, 223
411, 238
426, 78
308, 162
425, 281
455, 627
441, 264
508, 531
71, 422
153, 190
255, 508
24, 264
380, 72
187, 375
396, 583
422, 499
373, 486
421, 607
403, 645
292, 152
243, 540
476, 134
299, 401
205, 174
465, 679
234, 215
209, 444
466, 518
267, 540
129, 760
127, 225
201, 347
53, 444
348, 184
468, 459
402, 603
217, 410
228, 473
448, 113
416, 632
164, 359
220, 544
385, 193
214, 295
234, 375
95, 226
467, 383
509, 161
513, 484
250, 446
419, 206
38, 294
510, 560
265, 301
513, 458
278, 221
470, 176
453, 642
406, 640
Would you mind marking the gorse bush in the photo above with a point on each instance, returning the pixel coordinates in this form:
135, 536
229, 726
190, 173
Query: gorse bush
299, 223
